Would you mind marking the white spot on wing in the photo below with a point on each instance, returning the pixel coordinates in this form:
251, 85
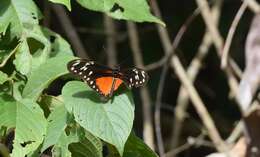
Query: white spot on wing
80, 73
88, 79
84, 76
136, 77
143, 73
75, 71
91, 82
76, 63
131, 80
91, 72
72, 68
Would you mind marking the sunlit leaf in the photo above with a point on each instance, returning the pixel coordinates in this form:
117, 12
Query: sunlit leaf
7, 111
57, 122
135, 10
30, 128
64, 2
41, 77
111, 121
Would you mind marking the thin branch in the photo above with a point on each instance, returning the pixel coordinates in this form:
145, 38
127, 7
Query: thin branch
145, 96
70, 31
231, 33
110, 30
191, 141
196, 100
192, 71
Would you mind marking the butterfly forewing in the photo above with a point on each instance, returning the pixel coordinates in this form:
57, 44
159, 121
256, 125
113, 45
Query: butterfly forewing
98, 77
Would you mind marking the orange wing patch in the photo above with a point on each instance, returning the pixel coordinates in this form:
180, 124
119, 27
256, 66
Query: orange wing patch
105, 84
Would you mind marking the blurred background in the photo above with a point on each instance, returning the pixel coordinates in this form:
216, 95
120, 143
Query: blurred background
165, 117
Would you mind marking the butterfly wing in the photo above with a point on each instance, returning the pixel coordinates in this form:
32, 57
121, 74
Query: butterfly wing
134, 77
99, 77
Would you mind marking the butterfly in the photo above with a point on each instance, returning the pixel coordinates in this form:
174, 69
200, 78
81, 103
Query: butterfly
104, 79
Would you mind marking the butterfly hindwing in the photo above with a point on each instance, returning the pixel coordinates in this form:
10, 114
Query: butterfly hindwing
134, 77
100, 78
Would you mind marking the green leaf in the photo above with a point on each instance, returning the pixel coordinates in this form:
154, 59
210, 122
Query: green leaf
30, 128
90, 146
111, 121
57, 122
17, 89
64, 2
34, 42
59, 46
135, 10
61, 148
3, 77
7, 111
135, 147
23, 58
41, 77
21, 15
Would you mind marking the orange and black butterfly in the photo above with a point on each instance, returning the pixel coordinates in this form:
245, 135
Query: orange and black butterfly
105, 80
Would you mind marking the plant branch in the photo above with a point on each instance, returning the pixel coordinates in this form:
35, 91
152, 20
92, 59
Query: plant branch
231, 33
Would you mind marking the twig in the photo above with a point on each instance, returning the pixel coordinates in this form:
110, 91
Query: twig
146, 100
191, 141
192, 71
70, 31
196, 100
110, 41
231, 33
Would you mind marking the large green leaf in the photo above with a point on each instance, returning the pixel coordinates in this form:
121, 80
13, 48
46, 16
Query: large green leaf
64, 2
136, 10
41, 77
30, 128
90, 146
57, 122
111, 121
7, 111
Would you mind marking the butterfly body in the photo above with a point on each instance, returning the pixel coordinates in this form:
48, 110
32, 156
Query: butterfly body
106, 80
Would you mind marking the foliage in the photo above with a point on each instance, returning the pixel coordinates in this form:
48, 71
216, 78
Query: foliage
77, 122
